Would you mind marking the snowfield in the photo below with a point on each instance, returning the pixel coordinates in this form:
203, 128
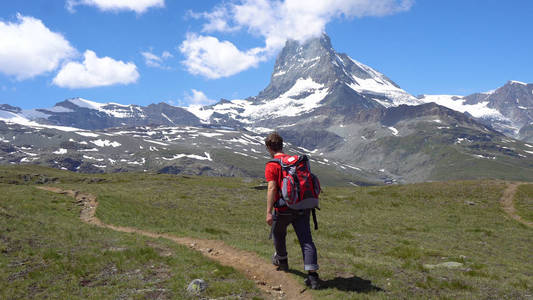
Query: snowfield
304, 96
457, 103
106, 143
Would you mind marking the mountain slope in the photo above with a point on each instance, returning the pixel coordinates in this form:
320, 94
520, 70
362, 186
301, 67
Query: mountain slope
86, 114
509, 109
174, 150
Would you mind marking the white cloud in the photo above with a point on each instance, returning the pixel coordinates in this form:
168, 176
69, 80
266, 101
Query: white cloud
217, 20
276, 21
139, 6
166, 55
197, 98
28, 48
152, 60
95, 72
209, 57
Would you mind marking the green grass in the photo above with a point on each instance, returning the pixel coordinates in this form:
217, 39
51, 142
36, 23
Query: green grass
382, 234
524, 202
47, 252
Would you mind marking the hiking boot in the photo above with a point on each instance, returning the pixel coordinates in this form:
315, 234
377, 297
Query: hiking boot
282, 264
313, 281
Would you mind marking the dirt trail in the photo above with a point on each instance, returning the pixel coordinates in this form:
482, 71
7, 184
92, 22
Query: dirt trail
507, 202
273, 284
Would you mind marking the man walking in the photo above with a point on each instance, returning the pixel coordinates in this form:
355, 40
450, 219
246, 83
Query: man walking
283, 216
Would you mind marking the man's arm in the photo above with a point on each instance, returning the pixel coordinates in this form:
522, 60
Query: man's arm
272, 191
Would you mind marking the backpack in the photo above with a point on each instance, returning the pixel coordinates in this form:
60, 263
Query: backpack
299, 187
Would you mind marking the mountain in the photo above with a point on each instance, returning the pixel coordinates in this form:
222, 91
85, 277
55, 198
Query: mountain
86, 114
203, 150
309, 78
357, 126
508, 109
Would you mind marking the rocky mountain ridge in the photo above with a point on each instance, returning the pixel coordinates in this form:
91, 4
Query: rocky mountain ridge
509, 109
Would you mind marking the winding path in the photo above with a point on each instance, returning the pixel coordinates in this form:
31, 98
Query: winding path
507, 202
273, 284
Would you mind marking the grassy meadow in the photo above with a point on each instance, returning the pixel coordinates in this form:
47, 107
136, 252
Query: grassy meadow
524, 202
381, 242
47, 252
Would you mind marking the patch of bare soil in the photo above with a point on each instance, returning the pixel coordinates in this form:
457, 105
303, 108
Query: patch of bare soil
507, 203
272, 283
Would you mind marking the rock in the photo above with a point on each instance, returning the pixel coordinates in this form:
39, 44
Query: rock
448, 264
197, 286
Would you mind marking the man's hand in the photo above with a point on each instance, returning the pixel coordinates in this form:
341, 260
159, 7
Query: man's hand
269, 219
272, 191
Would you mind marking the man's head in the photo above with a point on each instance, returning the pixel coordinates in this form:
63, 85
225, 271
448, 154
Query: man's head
274, 143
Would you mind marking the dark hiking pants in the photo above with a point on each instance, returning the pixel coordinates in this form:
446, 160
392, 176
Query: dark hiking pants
300, 222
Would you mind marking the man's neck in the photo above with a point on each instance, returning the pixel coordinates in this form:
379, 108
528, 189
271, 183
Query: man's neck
278, 153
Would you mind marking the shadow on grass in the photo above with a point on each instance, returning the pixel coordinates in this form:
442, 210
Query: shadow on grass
350, 284
260, 187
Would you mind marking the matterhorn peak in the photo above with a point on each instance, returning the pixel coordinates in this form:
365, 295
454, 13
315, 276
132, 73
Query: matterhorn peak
316, 60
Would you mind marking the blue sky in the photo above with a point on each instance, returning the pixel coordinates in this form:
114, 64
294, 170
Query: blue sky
427, 47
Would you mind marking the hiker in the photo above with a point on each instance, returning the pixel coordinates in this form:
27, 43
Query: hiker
283, 215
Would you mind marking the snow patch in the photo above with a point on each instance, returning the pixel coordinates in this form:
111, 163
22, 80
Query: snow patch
352, 167
106, 143
394, 130
279, 73
166, 117
28, 153
486, 157
156, 142
243, 154
378, 84
13, 118
457, 103
92, 158
119, 111
87, 134
259, 130
193, 156
210, 134
308, 151
460, 140
60, 151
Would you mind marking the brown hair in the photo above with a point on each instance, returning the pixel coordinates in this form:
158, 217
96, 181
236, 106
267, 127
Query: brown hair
274, 142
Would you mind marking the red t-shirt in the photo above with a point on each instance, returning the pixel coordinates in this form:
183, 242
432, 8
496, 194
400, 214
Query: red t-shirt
273, 173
